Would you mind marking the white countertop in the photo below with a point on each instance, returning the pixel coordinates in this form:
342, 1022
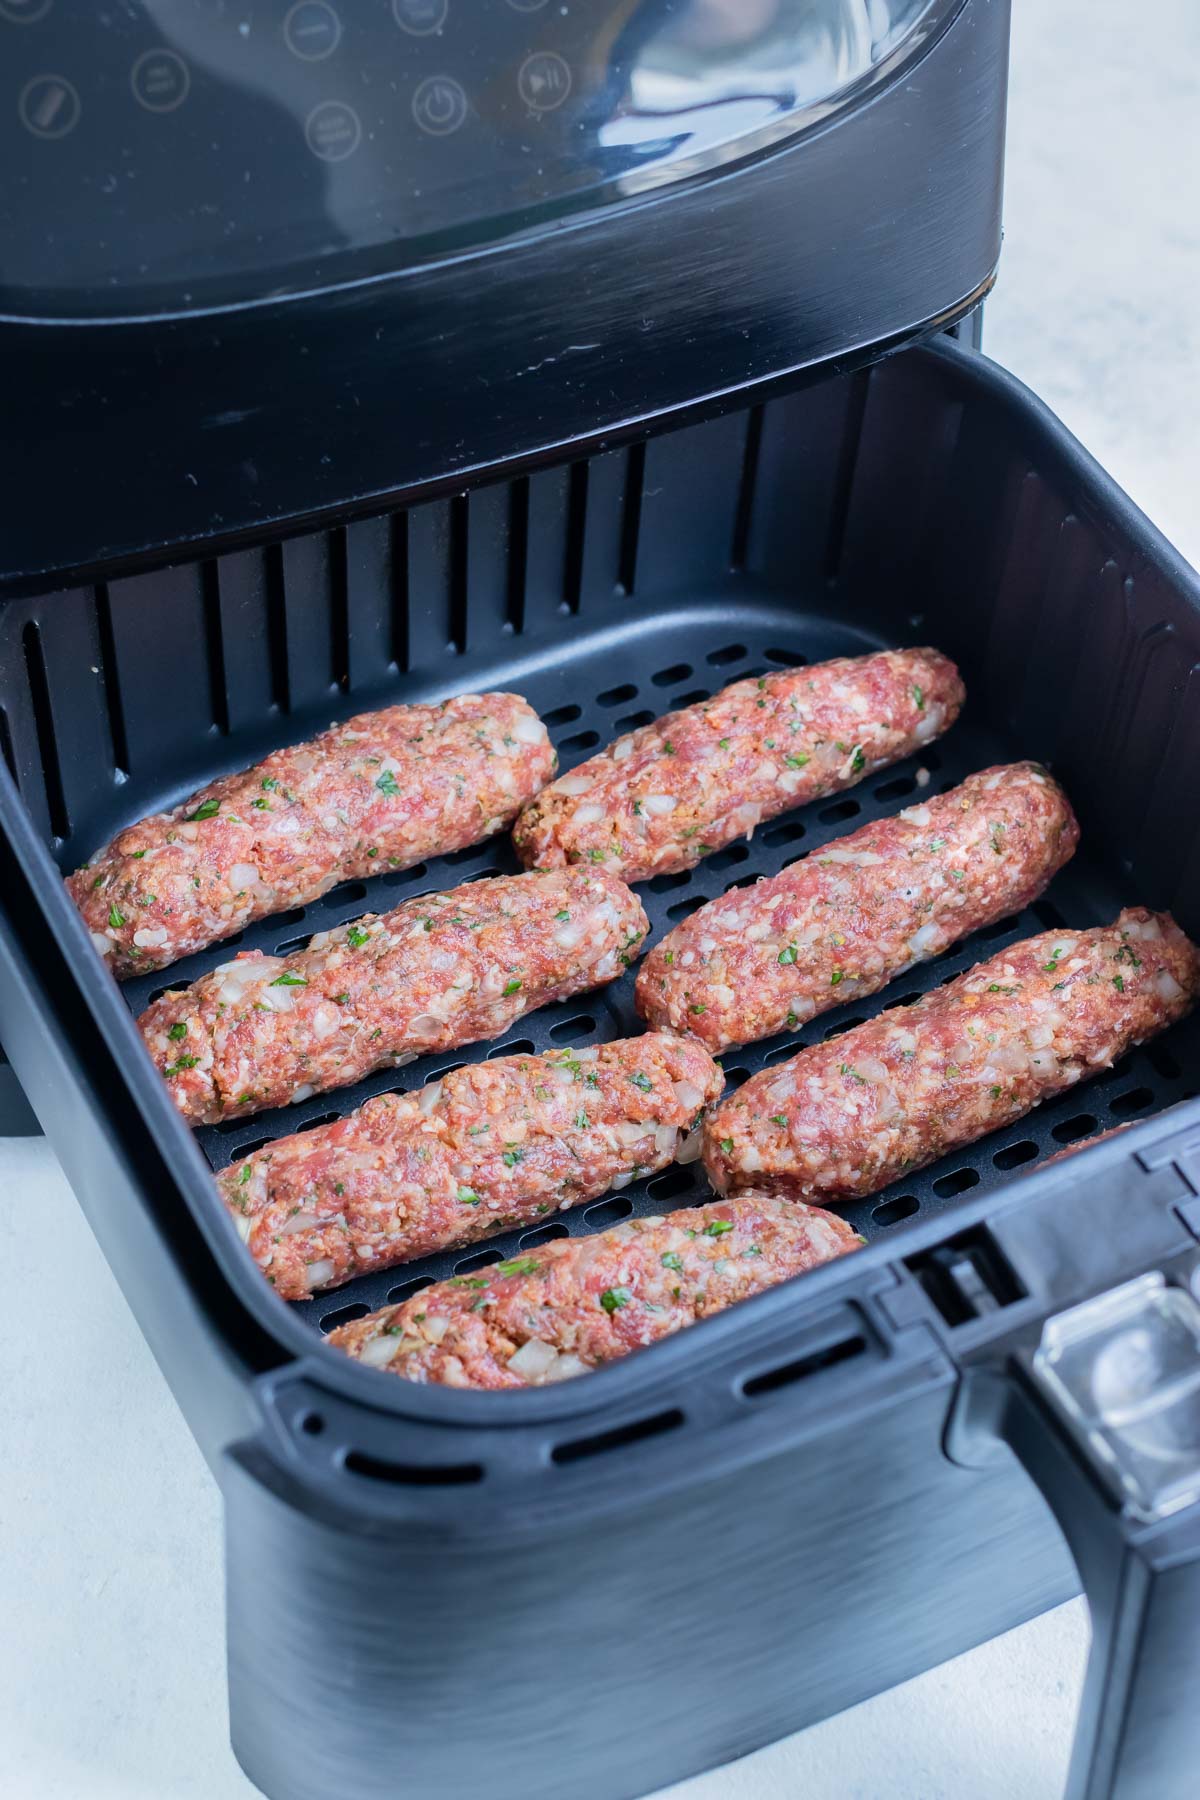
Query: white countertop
112, 1679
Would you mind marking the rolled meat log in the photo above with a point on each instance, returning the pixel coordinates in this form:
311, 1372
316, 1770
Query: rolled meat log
380, 792
841, 923
665, 795
572, 1305
439, 971
488, 1147
846, 1118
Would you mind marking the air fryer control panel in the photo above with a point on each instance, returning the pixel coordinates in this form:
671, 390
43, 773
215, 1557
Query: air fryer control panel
176, 152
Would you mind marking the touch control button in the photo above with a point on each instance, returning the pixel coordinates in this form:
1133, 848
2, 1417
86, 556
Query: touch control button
160, 80
439, 105
312, 31
544, 80
48, 106
527, 6
24, 12
332, 131
420, 18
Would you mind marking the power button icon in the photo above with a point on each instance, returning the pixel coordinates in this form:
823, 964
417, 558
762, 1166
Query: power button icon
439, 105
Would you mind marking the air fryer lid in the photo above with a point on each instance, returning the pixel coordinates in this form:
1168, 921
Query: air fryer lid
475, 231
200, 154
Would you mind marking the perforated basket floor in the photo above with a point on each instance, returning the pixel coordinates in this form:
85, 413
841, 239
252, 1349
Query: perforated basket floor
610, 684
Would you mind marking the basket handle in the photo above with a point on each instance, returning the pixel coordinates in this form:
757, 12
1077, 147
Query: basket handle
1104, 1416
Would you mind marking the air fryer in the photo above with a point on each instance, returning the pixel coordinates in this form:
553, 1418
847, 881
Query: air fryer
605, 353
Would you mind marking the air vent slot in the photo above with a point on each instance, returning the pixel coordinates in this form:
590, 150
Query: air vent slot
619, 1439
803, 1366
412, 1474
344, 1315
967, 1277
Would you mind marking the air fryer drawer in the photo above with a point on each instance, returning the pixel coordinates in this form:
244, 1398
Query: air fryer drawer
754, 1524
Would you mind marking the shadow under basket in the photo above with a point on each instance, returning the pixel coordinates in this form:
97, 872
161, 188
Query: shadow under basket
640, 1574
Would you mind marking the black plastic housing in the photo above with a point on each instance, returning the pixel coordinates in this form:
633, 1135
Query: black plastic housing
868, 228
652, 1569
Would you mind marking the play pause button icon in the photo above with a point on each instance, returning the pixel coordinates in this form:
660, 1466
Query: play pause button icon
544, 81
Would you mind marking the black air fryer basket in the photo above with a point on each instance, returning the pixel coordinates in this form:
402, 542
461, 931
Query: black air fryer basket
614, 457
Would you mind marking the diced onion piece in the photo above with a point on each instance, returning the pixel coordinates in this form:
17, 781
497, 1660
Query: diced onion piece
588, 815
279, 999
146, 937
1167, 986
244, 1226
534, 1360
665, 1139
869, 1068
574, 785
325, 1021
243, 875
1142, 928
688, 1095
621, 749
436, 1329
1044, 1062
319, 1272
301, 1221
426, 1025
103, 944
379, 1351
567, 936
305, 1091
404, 1057
660, 804
691, 1144
923, 940
916, 815
429, 1096
566, 1367
622, 1181
528, 731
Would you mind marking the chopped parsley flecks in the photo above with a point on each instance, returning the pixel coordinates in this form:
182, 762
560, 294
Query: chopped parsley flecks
356, 937
178, 1030
788, 954
287, 979
387, 784
518, 1265
205, 810
613, 1299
